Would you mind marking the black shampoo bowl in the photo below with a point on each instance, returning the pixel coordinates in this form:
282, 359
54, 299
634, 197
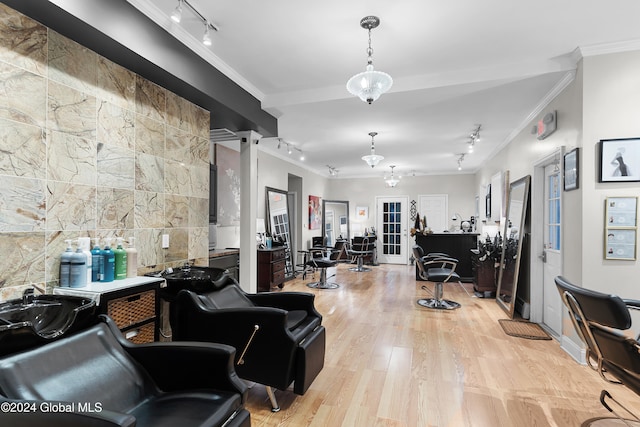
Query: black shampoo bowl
29, 323
196, 279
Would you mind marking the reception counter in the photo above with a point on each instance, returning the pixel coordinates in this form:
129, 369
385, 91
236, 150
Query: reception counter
457, 245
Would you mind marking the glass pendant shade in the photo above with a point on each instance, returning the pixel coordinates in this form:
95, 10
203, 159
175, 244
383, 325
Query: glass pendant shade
370, 84
372, 159
392, 181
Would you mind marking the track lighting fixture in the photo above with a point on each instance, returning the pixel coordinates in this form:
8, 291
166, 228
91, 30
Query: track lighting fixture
460, 159
176, 16
332, 171
372, 159
290, 148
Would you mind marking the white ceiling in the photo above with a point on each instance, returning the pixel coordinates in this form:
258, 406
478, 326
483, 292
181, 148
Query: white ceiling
455, 65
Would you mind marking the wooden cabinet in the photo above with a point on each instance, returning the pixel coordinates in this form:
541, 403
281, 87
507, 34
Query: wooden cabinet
485, 273
271, 268
132, 303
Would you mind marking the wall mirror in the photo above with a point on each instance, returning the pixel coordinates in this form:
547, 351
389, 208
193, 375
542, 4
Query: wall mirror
278, 224
513, 235
335, 220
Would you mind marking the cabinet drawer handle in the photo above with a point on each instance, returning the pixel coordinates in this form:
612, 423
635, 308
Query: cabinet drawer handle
133, 298
130, 334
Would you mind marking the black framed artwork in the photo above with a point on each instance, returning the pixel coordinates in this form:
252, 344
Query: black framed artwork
571, 170
619, 160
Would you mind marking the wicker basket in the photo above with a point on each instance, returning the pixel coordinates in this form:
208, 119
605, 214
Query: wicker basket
142, 334
132, 309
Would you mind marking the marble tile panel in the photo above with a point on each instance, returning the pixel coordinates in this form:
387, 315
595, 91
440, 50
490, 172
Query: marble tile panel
178, 112
115, 208
23, 95
150, 99
22, 260
70, 206
177, 144
198, 242
199, 182
202, 123
149, 173
149, 209
149, 246
116, 126
71, 111
176, 211
116, 85
198, 212
22, 204
23, 41
72, 64
55, 242
116, 167
71, 159
179, 245
23, 150
177, 178
150, 136
199, 152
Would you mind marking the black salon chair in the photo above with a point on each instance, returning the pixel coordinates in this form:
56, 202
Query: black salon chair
321, 260
278, 336
601, 321
439, 268
361, 247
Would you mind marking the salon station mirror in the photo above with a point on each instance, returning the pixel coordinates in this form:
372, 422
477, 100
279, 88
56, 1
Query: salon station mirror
335, 221
514, 234
278, 224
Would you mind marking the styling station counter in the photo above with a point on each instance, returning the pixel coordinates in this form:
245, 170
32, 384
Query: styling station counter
132, 303
457, 245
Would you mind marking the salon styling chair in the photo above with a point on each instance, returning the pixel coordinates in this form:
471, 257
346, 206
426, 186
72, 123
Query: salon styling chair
278, 335
95, 377
600, 321
439, 268
321, 259
361, 247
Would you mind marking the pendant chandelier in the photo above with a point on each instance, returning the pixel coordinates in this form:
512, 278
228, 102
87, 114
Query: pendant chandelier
392, 181
370, 84
372, 159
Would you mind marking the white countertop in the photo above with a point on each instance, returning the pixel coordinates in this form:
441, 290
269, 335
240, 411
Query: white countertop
95, 289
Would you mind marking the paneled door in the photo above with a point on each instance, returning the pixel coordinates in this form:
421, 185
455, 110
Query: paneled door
392, 215
551, 255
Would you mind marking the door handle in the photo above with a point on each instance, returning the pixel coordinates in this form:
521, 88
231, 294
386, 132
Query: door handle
543, 256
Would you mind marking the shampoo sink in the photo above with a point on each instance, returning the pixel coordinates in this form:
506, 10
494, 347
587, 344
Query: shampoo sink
197, 279
27, 323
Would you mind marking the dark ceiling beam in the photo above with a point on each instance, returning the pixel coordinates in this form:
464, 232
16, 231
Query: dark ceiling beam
122, 34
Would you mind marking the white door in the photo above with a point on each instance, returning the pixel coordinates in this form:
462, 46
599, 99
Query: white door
435, 207
392, 214
551, 252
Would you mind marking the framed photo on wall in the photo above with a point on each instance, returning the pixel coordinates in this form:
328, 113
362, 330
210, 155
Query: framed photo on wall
619, 160
571, 170
621, 220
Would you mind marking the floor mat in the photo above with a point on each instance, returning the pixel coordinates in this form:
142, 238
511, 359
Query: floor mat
523, 329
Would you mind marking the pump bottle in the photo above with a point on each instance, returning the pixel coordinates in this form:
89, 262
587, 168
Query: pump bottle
65, 265
109, 261
132, 258
121, 260
85, 244
97, 264
78, 269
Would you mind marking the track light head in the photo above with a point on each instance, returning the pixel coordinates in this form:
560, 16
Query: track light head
206, 37
176, 15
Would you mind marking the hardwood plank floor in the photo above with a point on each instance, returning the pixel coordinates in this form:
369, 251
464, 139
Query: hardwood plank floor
390, 362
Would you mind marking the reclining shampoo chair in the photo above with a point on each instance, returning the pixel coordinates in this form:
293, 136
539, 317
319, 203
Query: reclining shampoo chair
278, 336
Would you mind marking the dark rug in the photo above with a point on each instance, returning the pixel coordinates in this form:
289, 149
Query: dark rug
523, 329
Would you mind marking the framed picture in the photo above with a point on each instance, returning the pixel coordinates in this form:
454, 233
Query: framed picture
571, 171
621, 220
619, 160
362, 212
315, 213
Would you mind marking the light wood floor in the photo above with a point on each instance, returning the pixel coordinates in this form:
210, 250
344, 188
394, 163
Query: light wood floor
390, 362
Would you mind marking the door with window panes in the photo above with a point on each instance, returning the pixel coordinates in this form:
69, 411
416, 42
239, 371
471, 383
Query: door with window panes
391, 229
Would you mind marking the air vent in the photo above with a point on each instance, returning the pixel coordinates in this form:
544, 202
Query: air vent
219, 135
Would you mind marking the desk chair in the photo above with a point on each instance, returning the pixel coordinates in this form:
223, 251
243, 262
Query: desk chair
600, 321
360, 248
438, 268
320, 260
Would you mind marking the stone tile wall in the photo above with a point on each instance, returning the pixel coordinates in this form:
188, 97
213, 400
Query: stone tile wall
88, 148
